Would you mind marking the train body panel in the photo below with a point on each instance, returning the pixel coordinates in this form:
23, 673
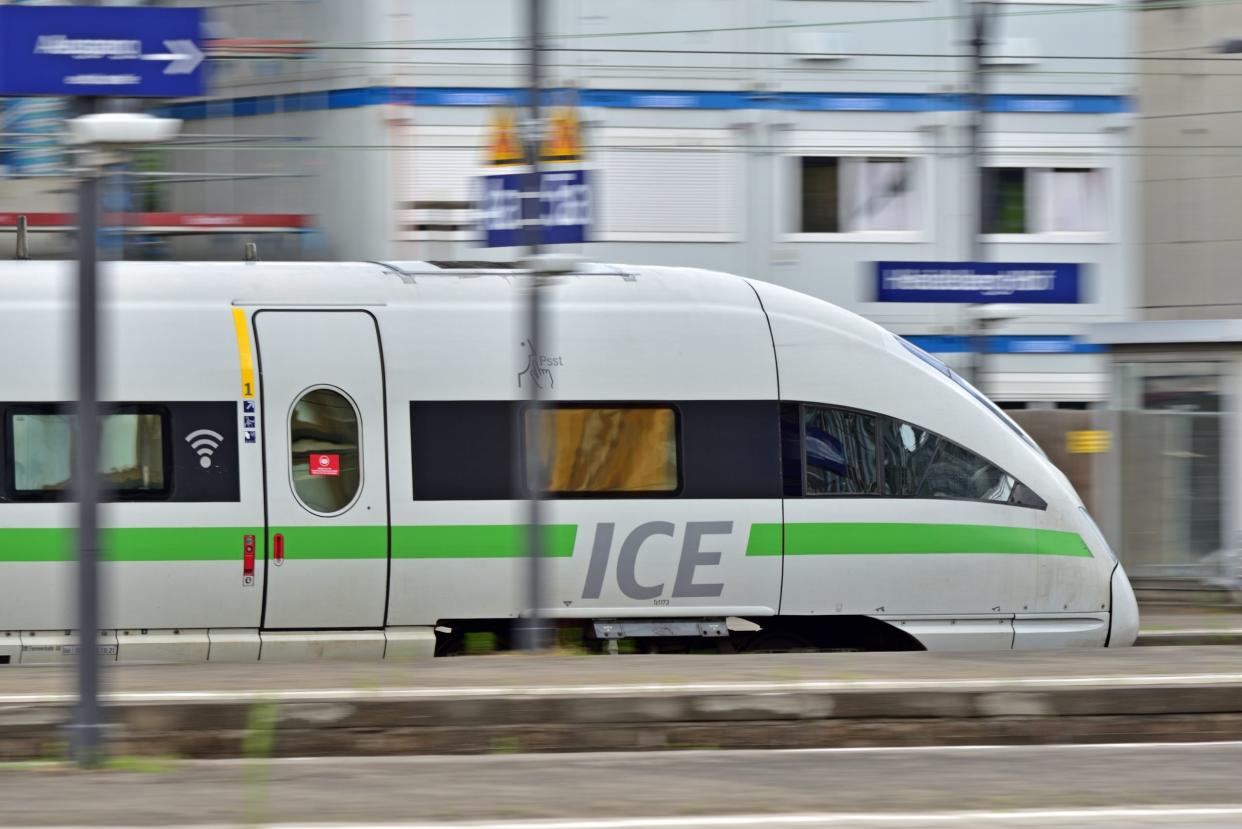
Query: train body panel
368, 462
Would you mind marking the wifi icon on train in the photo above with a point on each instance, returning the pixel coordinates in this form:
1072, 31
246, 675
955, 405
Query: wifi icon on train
205, 442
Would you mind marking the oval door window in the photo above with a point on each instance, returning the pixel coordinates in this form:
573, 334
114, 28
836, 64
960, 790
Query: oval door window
324, 443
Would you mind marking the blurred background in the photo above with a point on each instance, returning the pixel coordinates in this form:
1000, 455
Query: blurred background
797, 141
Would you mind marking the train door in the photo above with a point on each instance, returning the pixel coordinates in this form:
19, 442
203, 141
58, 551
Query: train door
325, 466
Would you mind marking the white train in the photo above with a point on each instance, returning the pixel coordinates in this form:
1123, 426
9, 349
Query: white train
315, 460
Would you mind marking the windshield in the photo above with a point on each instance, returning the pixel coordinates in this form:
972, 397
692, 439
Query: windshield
995, 410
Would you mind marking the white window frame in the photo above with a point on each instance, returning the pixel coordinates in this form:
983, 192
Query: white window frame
861, 144
1087, 151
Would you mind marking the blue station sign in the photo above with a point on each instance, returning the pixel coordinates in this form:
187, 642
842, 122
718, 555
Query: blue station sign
564, 208
101, 51
977, 282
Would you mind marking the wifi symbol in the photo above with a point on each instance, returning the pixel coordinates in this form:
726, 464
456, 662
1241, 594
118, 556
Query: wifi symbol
205, 443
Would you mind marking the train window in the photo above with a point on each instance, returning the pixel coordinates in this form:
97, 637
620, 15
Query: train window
605, 450
920, 464
1023, 496
325, 461
840, 453
133, 455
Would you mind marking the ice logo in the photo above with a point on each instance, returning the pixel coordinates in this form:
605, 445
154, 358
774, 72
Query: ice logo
205, 442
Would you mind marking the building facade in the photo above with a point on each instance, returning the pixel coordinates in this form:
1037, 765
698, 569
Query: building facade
1174, 477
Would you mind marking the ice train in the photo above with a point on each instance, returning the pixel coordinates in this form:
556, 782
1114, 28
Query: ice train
318, 460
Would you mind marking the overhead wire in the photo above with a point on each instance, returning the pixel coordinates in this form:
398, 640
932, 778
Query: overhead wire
1084, 8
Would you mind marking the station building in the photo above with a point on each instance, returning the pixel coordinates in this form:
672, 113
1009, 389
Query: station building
797, 141
1173, 478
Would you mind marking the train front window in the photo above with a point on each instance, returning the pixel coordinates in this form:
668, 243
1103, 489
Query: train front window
921, 464
840, 452
605, 450
43, 448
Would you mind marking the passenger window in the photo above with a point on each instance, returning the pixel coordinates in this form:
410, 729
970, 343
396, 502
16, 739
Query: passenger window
605, 450
920, 464
324, 446
908, 452
131, 453
840, 452
42, 446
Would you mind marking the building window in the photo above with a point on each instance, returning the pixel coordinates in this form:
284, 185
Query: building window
614, 450
850, 195
1024, 200
133, 460
324, 443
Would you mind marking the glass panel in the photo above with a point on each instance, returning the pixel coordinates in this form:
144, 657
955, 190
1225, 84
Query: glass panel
820, 195
131, 452
840, 452
878, 194
606, 450
1004, 199
42, 452
1075, 199
908, 451
924, 465
324, 443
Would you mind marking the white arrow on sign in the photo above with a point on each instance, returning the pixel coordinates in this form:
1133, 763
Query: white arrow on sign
183, 57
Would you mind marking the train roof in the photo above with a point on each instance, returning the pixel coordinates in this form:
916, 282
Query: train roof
412, 282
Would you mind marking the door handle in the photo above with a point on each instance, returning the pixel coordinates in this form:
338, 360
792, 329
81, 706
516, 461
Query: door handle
278, 549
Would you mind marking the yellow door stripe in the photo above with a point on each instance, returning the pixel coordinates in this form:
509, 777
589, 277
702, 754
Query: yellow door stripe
243, 352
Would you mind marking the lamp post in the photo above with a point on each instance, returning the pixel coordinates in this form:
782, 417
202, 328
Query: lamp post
98, 137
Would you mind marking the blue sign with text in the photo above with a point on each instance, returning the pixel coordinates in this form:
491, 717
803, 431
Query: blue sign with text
101, 51
564, 207
977, 282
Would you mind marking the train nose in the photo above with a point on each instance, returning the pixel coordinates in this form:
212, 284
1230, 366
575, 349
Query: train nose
1124, 624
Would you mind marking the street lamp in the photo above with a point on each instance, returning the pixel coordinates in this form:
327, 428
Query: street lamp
102, 139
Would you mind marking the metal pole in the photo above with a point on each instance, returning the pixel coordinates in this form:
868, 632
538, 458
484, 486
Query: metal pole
532, 632
980, 19
86, 738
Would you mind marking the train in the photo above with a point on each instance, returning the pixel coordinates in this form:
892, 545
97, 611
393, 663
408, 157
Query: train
333, 460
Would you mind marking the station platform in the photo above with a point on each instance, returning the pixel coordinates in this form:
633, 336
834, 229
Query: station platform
521, 703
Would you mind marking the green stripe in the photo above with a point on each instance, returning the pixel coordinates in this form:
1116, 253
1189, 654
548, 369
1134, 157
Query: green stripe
765, 540
479, 541
36, 545
128, 544
334, 542
301, 543
890, 538
509, 541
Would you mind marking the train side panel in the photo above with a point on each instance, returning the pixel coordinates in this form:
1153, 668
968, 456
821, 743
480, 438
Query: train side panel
661, 340
173, 544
